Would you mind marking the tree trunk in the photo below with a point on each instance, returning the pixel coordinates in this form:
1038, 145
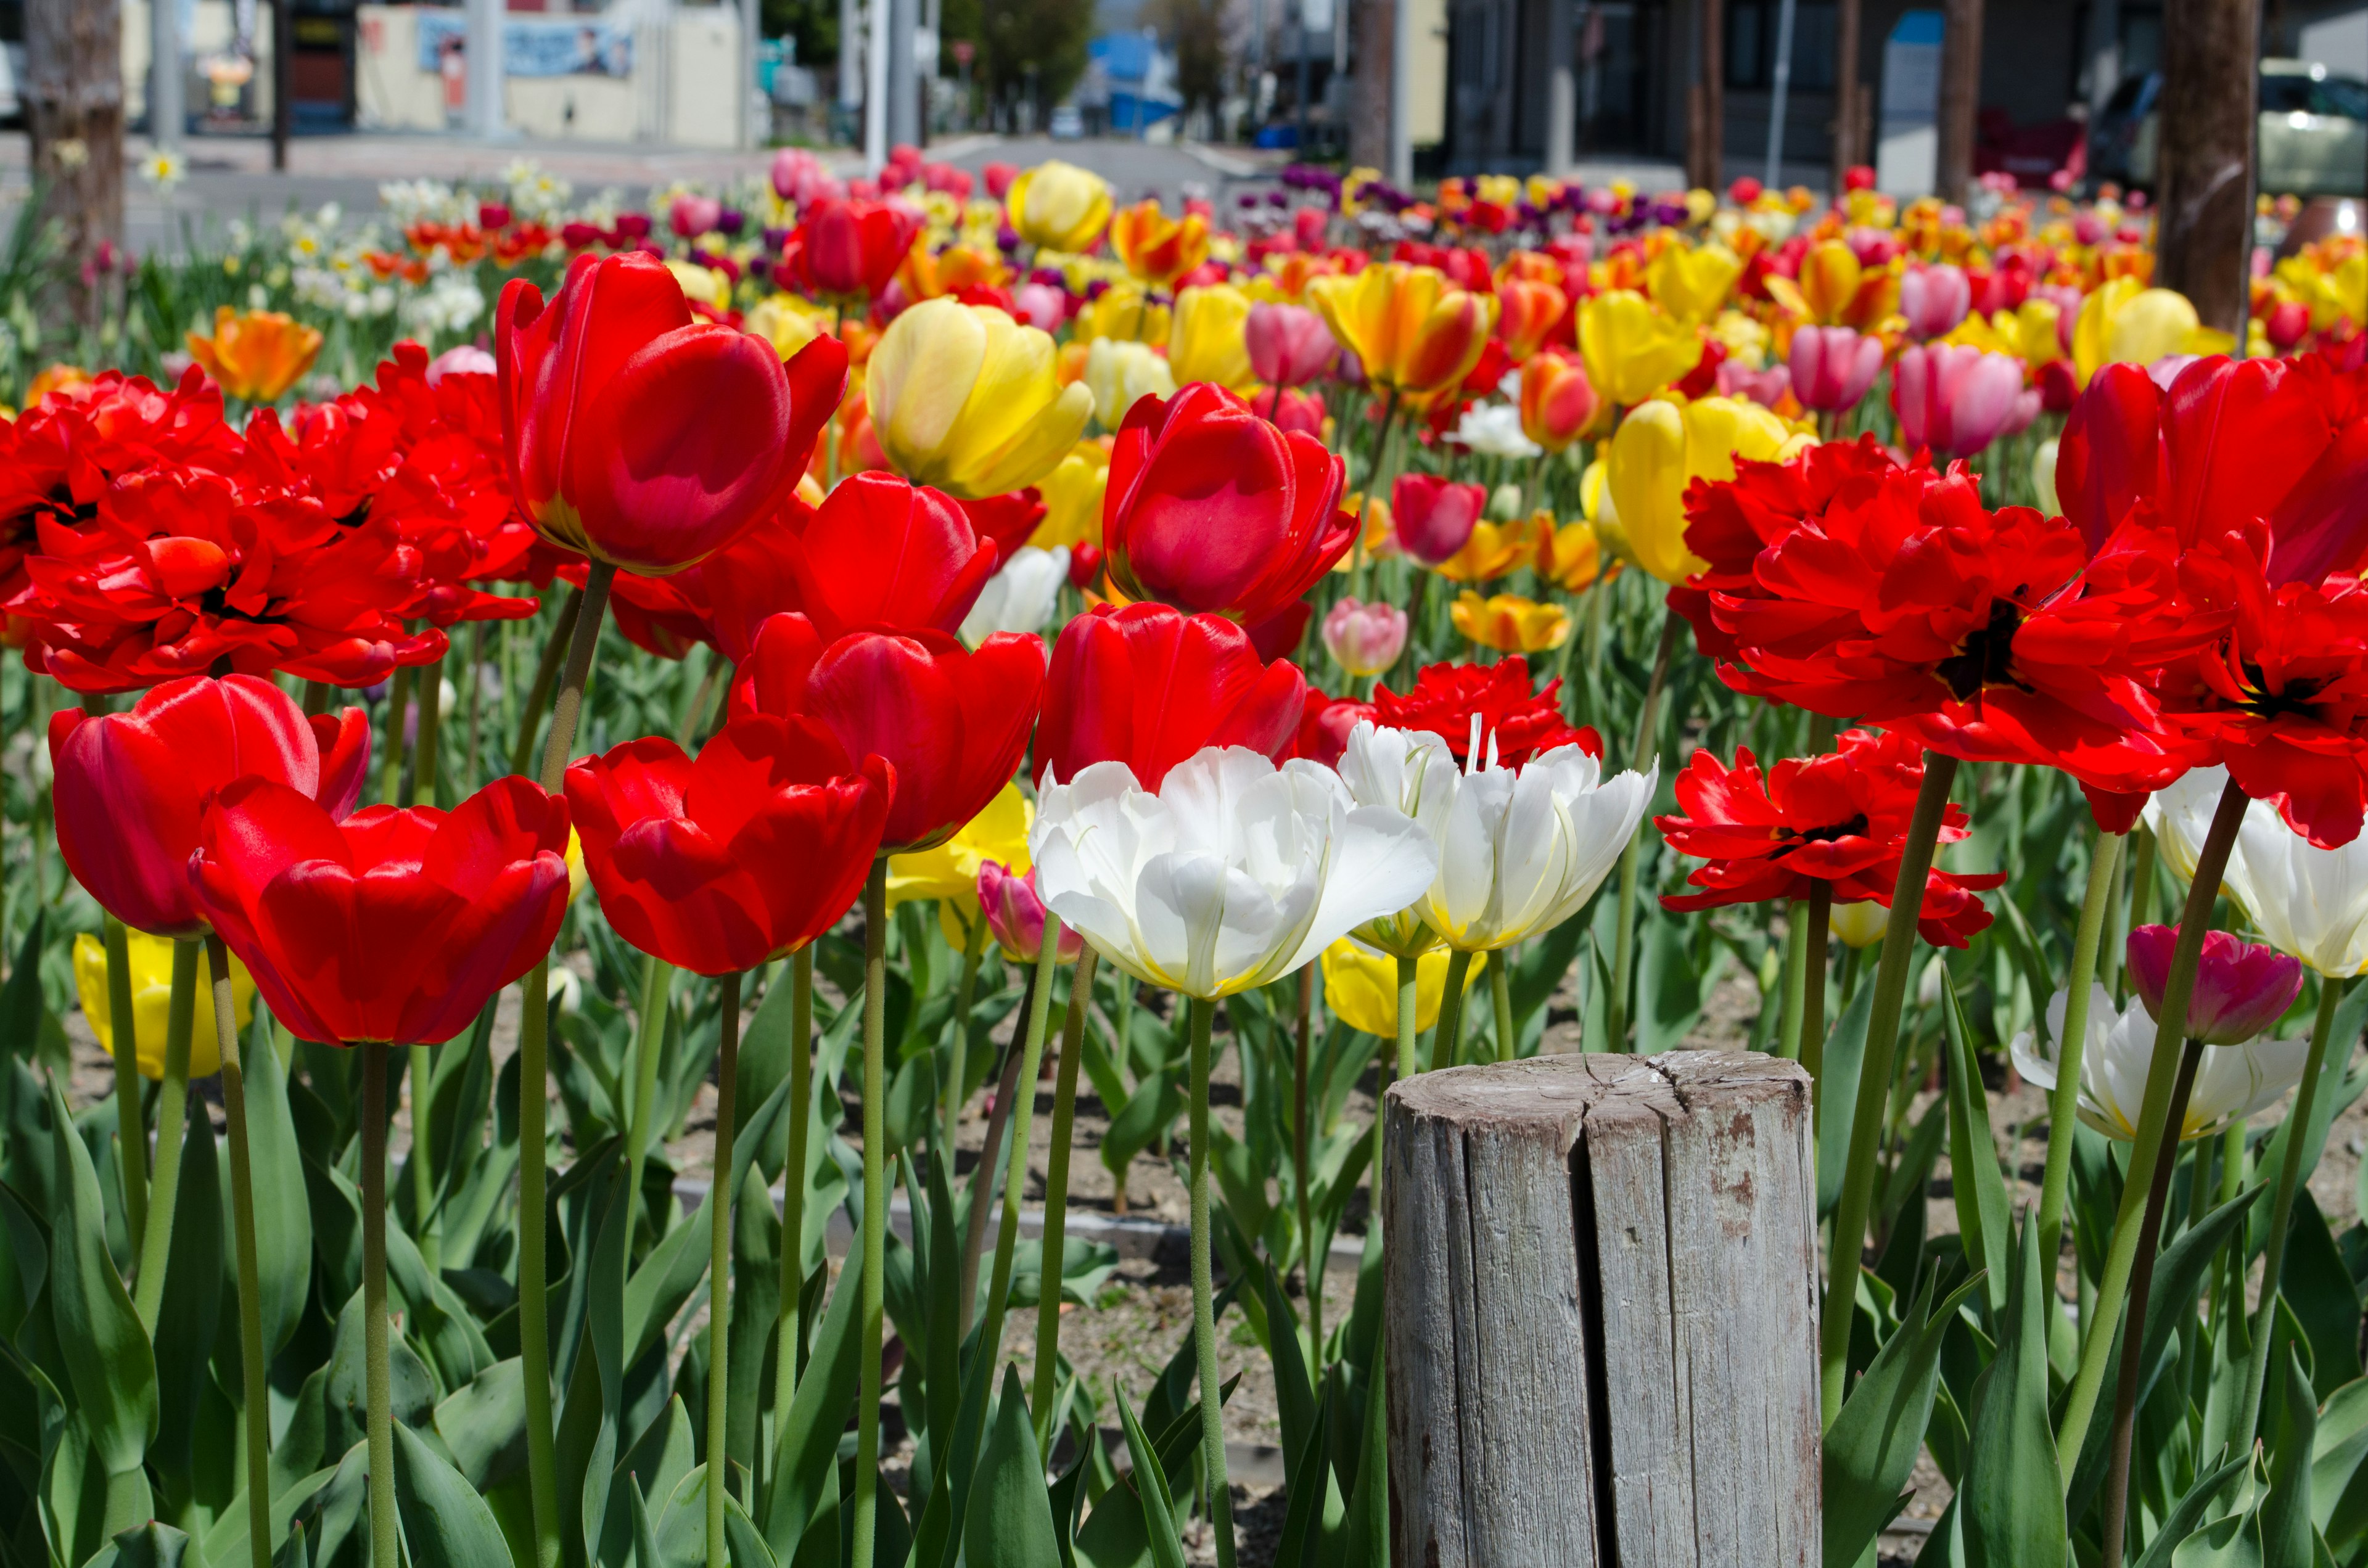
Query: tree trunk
1706, 107
1846, 150
1369, 93
74, 112
2204, 214
1960, 97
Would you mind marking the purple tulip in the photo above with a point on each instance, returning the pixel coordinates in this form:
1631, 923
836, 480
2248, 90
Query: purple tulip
1289, 345
1953, 398
1832, 365
1015, 915
2241, 988
1934, 298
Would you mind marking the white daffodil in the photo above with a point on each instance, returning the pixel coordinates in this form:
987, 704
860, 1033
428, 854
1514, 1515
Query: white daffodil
1236, 872
1021, 596
2232, 1081
1414, 774
1494, 431
2309, 902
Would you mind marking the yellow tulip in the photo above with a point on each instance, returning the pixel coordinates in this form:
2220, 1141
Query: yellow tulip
1690, 282
1380, 539
1659, 449
949, 872
152, 995
1569, 557
1125, 312
1360, 986
1414, 332
702, 284
1858, 925
1510, 623
1209, 341
1633, 350
786, 321
1058, 205
1073, 498
1829, 279
1492, 550
256, 356
964, 398
1118, 373
2125, 323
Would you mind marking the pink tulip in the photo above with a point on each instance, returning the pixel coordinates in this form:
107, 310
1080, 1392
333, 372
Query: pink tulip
691, 216
1015, 915
2241, 988
799, 177
461, 359
1364, 640
1832, 365
1308, 225
2026, 409
1767, 388
1289, 345
1953, 398
1434, 517
999, 178
1934, 298
1040, 305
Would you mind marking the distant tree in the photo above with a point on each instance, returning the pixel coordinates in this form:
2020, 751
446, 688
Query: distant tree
1194, 32
1034, 46
813, 23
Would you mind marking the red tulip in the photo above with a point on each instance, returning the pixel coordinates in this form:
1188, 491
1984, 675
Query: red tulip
1210, 508
880, 553
1434, 517
1292, 409
850, 249
1150, 687
1519, 722
723, 863
952, 723
130, 786
394, 926
640, 437
1008, 519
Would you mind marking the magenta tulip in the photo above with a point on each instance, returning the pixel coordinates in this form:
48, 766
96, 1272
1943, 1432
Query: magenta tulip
1832, 365
1289, 345
1934, 298
1953, 399
1434, 516
2241, 988
1015, 915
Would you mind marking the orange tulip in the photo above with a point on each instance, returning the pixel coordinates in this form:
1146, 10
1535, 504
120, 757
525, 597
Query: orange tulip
1558, 402
59, 377
1835, 289
1569, 557
1157, 248
1413, 331
1510, 623
256, 356
1527, 311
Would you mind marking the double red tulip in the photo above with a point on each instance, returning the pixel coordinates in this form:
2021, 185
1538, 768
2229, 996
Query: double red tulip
1521, 722
1213, 510
639, 437
1150, 687
848, 250
953, 724
723, 863
131, 788
394, 926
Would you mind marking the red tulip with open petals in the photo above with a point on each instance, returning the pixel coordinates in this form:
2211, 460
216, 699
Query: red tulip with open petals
395, 925
752, 850
952, 723
880, 552
130, 786
848, 250
1521, 723
1151, 686
640, 436
1213, 510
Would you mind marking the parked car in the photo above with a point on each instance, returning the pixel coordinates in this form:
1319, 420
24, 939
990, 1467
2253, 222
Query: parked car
2312, 137
1066, 124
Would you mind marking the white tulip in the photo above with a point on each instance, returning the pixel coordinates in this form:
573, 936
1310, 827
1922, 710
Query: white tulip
2309, 902
1021, 596
2232, 1081
1494, 431
1412, 773
1236, 873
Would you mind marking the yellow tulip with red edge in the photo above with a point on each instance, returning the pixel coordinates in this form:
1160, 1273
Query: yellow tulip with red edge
256, 356
1558, 402
1660, 448
1058, 205
1631, 350
1569, 556
964, 398
1414, 332
1526, 312
1157, 248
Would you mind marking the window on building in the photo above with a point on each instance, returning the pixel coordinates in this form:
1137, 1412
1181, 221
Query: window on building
1751, 28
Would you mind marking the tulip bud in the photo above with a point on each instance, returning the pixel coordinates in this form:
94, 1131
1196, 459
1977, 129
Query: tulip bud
1934, 300
2241, 988
1015, 915
1434, 517
1364, 638
1953, 398
1289, 345
1832, 367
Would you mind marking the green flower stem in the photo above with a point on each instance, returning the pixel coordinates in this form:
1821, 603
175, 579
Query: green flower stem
871, 1304
1874, 1076
2257, 1363
172, 1122
2063, 1105
380, 1385
1204, 1315
1057, 1194
1377, 478
431, 728
1500, 991
546, 670
1311, 1266
1796, 978
398, 701
1447, 1034
2139, 912
793, 1188
2116, 1495
420, 1163
1409, 999
2170, 1031
1023, 1119
719, 1272
130, 1125
580, 625
649, 1037
1816, 920
1623, 947
965, 990
257, 1394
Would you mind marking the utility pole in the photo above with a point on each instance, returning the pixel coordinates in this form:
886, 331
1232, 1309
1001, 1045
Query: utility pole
903, 79
485, 113
1562, 88
1401, 163
1706, 120
876, 70
1370, 108
167, 102
2204, 218
283, 81
73, 113
1960, 97
1846, 148
1781, 87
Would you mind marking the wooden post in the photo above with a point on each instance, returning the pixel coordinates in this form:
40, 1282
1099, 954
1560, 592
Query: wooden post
1600, 1302
1846, 148
1961, 98
1706, 106
1369, 91
2204, 221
